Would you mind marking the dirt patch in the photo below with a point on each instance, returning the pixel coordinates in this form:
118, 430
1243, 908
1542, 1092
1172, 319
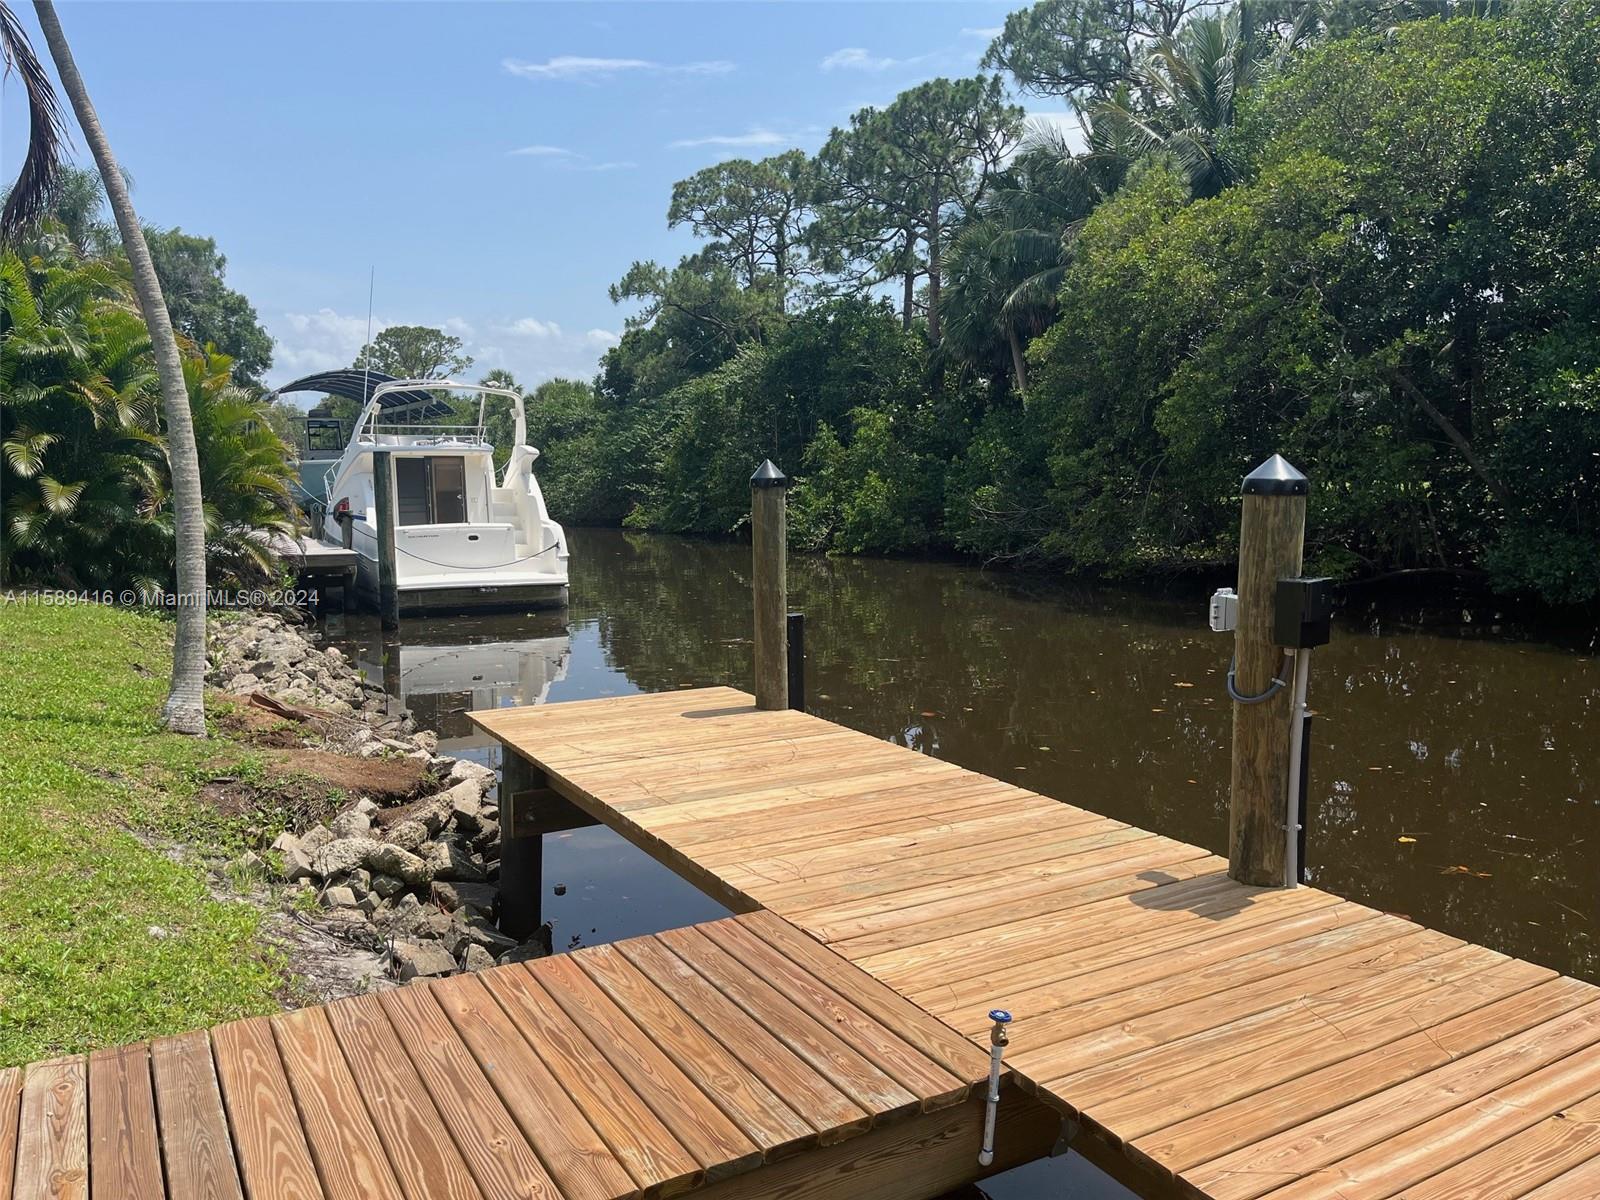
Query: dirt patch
387, 781
304, 786
257, 727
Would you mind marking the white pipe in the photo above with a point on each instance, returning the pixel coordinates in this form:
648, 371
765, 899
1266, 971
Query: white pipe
997, 1047
1291, 823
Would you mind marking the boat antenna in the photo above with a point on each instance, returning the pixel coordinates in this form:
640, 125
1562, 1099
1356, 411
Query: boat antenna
366, 357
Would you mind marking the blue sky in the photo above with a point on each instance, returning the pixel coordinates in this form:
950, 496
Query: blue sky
499, 164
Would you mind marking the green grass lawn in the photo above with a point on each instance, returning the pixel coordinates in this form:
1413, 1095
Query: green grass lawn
107, 933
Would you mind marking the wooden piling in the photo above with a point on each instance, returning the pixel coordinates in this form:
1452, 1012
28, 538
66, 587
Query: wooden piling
1271, 540
521, 852
769, 541
388, 581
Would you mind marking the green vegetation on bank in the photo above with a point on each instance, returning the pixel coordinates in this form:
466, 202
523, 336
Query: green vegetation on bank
110, 934
85, 476
1367, 236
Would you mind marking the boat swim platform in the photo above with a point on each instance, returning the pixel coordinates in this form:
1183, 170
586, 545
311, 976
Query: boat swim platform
733, 1059
1218, 1040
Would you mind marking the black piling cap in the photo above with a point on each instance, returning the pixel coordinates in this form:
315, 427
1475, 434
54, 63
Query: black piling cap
768, 476
1275, 477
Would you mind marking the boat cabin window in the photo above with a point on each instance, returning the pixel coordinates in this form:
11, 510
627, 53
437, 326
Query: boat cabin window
431, 490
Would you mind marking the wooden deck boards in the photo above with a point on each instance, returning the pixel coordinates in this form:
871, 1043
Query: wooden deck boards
641, 1069
1226, 1042
1239, 1043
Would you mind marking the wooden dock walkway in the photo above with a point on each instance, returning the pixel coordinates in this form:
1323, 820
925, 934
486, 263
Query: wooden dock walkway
1201, 1037
1233, 1043
732, 1056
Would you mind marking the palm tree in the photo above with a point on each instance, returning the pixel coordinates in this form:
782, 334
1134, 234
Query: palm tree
1007, 264
1190, 85
184, 710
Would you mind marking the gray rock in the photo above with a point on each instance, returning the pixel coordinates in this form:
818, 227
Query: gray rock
358, 881
476, 958
367, 807
426, 959
351, 824
296, 864
368, 905
386, 886
243, 684
392, 860
449, 861
488, 834
339, 897
426, 739
316, 838
451, 896
465, 769
286, 841
407, 835
463, 929
345, 854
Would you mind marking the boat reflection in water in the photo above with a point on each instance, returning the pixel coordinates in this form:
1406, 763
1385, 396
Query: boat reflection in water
467, 662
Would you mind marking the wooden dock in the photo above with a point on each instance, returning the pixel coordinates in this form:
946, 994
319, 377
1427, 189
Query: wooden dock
732, 1057
1199, 1037
1228, 1042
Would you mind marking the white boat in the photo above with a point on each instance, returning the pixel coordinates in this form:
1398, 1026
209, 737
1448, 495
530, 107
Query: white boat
463, 539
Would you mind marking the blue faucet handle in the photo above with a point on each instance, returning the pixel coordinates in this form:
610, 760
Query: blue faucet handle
999, 1016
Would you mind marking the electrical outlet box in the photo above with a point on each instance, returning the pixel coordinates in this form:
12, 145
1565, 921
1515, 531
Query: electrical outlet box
1302, 614
1224, 610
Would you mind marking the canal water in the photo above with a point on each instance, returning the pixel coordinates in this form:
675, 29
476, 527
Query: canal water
1455, 758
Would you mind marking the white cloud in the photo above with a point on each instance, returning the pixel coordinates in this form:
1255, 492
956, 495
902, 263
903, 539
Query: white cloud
581, 68
988, 34
603, 338
533, 327
318, 341
755, 137
563, 159
854, 58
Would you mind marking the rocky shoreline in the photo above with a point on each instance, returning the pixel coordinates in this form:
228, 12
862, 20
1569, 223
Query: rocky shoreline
414, 882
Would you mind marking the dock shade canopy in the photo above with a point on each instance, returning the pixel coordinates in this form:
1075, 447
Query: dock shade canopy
415, 404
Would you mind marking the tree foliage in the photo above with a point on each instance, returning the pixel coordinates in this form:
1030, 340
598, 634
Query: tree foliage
1364, 235
415, 352
85, 476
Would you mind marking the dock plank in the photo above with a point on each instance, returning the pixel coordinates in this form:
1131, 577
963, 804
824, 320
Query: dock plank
770, 1123
577, 1158
53, 1132
274, 1159
803, 1032
124, 1148
831, 1112
425, 1161
10, 1110
486, 1134
709, 1136
634, 1135
196, 1149
344, 1145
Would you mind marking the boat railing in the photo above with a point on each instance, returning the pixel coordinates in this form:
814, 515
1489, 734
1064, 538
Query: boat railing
425, 435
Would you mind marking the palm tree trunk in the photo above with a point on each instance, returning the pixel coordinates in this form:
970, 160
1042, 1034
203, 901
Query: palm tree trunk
1019, 362
184, 710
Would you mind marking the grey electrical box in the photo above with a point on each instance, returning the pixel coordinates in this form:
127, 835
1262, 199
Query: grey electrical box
1224, 610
